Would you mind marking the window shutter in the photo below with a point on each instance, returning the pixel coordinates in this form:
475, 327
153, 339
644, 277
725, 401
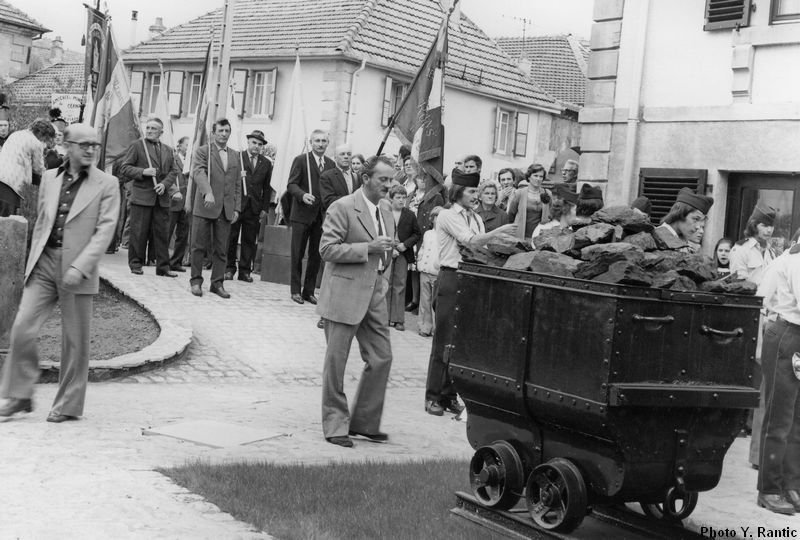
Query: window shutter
175, 92
521, 135
387, 102
727, 14
496, 139
274, 85
661, 186
239, 90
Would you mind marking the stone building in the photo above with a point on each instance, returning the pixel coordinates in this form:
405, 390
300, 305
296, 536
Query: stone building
18, 31
698, 94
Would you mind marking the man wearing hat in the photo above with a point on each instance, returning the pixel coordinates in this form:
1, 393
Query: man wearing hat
589, 201
685, 222
457, 225
78, 212
255, 207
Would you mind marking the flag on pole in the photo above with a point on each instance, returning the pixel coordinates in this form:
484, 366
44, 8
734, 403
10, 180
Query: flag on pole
162, 110
113, 114
418, 120
236, 142
88, 104
293, 138
202, 122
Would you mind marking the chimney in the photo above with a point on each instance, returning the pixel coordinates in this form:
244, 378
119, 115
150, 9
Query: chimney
134, 24
524, 65
57, 51
157, 28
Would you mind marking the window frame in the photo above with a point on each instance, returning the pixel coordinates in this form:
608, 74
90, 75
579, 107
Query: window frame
263, 106
239, 77
136, 96
518, 133
193, 101
175, 95
152, 96
776, 18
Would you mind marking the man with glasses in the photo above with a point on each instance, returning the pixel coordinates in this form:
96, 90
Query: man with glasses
306, 215
78, 212
150, 166
569, 173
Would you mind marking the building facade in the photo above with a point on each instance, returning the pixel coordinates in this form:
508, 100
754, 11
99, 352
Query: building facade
358, 58
699, 94
18, 31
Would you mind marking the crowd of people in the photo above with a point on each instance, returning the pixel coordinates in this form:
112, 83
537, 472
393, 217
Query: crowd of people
389, 237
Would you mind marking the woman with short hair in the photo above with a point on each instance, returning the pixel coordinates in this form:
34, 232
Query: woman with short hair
529, 206
492, 216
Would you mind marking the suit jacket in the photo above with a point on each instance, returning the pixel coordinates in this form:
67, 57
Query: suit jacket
408, 232
135, 161
180, 186
226, 185
89, 228
333, 186
298, 186
258, 184
349, 279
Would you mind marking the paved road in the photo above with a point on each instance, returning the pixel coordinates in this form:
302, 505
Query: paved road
255, 361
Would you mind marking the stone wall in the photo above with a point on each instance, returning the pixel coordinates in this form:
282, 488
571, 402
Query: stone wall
13, 242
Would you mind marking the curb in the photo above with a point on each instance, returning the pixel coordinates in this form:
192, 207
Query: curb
170, 345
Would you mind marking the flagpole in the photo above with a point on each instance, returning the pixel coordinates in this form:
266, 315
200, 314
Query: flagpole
243, 173
169, 117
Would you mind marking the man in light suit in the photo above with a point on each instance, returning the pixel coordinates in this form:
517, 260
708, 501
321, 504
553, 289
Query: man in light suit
356, 245
151, 167
306, 215
340, 181
77, 213
217, 203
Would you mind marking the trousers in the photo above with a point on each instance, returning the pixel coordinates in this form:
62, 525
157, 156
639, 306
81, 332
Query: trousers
143, 218
249, 225
179, 225
209, 232
439, 386
305, 237
427, 285
396, 295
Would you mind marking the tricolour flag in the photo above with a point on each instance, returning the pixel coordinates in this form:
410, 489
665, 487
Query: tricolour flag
293, 138
202, 121
162, 110
113, 114
418, 120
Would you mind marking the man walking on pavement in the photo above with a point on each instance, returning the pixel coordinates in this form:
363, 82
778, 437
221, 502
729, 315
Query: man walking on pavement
77, 213
356, 246
306, 215
150, 166
217, 201
255, 207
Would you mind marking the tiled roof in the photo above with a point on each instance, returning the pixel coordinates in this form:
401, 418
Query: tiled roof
394, 34
11, 15
558, 64
38, 87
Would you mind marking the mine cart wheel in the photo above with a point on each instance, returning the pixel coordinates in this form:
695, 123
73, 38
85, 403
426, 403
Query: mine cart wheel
677, 505
556, 496
496, 475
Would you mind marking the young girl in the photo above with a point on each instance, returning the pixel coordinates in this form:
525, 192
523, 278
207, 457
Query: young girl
722, 254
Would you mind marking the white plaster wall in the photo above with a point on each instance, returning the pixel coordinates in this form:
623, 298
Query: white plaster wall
777, 71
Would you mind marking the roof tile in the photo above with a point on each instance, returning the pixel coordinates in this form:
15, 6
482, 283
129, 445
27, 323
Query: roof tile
63, 78
10, 14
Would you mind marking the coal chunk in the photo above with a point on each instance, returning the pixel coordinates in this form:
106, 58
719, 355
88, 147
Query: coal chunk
592, 252
601, 263
596, 233
631, 221
548, 262
520, 261
555, 240
643, 240
625, 273
743, 287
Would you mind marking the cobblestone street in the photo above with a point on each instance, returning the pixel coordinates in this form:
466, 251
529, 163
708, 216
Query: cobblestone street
255, 361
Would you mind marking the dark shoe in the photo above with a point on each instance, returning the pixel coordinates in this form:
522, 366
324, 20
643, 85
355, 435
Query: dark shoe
137, 271
58, 418
245, 277
178, 269
400, 327
374, 437
775, 502
299, 299
13, 406
424, 334
196, 290
220, 291
228, 276
340, 441
311, 299
793, 496
321, 324
431, 407
453, 406
411, 306
167, 274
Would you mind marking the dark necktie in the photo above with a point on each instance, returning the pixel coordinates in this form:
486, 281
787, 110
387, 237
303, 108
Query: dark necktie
254, 162
380, 233
321, 164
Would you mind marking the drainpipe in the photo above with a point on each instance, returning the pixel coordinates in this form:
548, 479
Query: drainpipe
351, 105
634, 107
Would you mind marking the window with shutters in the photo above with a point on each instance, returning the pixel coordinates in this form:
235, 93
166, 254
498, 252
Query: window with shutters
521, 137
394, 93
727, 14
175, 92
195, 86
239, 90
154, 89
783, 11
661, 186
137, 88
264, 83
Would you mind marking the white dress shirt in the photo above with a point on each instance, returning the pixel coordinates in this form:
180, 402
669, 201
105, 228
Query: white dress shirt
456, 225
780, 287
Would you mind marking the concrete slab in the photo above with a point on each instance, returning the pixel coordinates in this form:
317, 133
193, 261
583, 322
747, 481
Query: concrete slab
212, 433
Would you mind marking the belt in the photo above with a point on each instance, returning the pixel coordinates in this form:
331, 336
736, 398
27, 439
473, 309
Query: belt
450, 268
788, 323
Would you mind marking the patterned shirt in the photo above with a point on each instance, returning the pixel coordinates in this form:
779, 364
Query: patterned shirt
69, 189
21, 157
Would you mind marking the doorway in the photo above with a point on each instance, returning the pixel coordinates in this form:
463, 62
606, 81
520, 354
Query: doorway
780, 191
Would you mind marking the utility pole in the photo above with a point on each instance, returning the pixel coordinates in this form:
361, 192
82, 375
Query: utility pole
224, 63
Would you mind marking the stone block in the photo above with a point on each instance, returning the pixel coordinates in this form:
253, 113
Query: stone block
605, 10
13, 246
603, 64
596, 137
593, 166
605, 35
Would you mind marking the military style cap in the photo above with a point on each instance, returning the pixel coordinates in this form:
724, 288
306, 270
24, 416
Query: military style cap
698, 202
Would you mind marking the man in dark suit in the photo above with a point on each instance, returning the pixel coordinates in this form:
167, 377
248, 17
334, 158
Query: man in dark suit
150, 165
356, 245
255, 207
217, 202
178, 216
340, 181
306, 215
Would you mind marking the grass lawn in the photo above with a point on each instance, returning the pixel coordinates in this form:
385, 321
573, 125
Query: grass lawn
347, 501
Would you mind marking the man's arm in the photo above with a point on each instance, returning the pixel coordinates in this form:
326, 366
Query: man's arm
169, 179
332, 246
129, 168
295, 178
89, 258
200, 170
458, 229
326, 189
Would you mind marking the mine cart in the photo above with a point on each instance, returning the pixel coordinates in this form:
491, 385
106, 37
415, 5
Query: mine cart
581, 393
